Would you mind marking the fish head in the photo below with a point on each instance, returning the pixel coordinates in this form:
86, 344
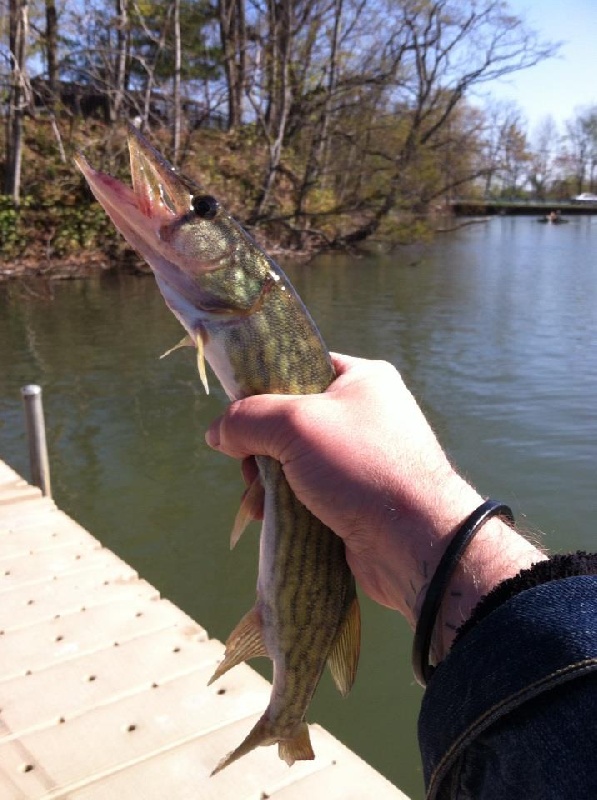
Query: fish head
204, 262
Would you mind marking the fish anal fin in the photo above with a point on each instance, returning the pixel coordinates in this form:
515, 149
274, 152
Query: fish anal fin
251, 507
245, 642
261, 734
344, 655
298, 747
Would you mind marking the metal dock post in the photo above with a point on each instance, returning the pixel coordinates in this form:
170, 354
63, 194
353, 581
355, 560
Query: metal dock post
36, 436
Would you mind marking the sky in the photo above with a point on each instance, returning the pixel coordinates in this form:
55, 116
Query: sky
562, 84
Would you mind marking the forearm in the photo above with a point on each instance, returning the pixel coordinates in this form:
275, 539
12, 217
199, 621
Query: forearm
415, 537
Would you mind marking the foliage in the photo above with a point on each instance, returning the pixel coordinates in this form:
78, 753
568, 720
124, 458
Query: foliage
53, 232
78, 228
319, 122
12, 235
151, 23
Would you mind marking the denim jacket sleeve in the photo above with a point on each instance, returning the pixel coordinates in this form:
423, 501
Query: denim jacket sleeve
512, 710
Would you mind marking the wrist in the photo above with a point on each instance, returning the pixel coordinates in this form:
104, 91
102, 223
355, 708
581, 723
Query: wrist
496, 553
438, 585
419, 534
414, 535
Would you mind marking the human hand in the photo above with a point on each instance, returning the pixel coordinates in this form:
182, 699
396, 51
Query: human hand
363, 459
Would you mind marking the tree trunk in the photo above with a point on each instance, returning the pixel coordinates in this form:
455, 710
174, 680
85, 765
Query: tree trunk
316, 160
150, 81
18, 34
177, 71
274, 121
120, 71
233, 40
52, 53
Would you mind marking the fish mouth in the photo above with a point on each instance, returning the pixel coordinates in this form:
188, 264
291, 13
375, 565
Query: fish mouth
158, 195
146, 214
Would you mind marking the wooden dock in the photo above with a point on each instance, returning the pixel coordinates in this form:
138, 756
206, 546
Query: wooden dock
103, 683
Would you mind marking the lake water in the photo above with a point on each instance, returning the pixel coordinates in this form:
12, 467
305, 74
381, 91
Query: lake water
494, 328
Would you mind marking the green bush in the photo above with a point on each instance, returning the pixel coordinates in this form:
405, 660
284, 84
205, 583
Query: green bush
13, 237
81, 227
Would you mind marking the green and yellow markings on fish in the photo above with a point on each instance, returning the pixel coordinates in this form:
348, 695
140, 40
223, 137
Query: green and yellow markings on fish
244, 317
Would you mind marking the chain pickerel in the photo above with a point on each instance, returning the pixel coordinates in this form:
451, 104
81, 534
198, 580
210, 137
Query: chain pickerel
246, 320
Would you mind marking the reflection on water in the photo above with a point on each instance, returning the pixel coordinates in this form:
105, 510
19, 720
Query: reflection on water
495, 330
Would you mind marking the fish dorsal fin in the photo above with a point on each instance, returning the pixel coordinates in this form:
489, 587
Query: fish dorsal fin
188, 341
245, 642
251, 507
344, 655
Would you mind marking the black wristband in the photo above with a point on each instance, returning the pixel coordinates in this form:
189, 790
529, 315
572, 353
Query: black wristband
437, 586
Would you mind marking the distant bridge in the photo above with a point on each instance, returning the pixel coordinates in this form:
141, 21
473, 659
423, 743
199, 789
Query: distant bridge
484, 208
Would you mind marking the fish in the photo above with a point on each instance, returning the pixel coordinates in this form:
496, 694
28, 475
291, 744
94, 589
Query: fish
245, 319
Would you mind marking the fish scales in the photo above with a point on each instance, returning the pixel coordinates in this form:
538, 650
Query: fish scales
277, 349
245, 318
295, 600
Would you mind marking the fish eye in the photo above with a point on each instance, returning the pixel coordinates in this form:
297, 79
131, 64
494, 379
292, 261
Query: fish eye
205, 206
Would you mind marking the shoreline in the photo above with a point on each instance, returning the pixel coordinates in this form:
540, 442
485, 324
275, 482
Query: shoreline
70, 267
92, 264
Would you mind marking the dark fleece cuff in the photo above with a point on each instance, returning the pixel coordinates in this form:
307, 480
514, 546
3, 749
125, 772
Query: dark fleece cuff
564, 565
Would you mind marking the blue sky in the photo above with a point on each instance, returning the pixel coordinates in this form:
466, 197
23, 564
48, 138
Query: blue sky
560, 85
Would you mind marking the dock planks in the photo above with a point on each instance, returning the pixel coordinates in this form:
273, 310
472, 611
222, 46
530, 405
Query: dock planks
103, 683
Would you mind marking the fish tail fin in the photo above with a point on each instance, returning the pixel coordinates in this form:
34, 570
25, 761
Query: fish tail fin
261, 734
290, 748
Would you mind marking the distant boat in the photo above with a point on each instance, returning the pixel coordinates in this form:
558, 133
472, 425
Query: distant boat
553, 219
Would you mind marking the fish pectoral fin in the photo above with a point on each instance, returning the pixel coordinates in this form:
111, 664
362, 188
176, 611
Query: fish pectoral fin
201, 361
251, 507
344, 655
298, 748
241, 310
245, 642
186, 342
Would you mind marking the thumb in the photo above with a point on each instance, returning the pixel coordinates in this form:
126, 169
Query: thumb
259, 425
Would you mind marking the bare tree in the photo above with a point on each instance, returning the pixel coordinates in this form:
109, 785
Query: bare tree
447, 51
516, 157
581, 139
273, 103
121, 57
51, 50
543, 159
233, 41
500, 117
177, 121
315, 164
296, 83
18, 96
